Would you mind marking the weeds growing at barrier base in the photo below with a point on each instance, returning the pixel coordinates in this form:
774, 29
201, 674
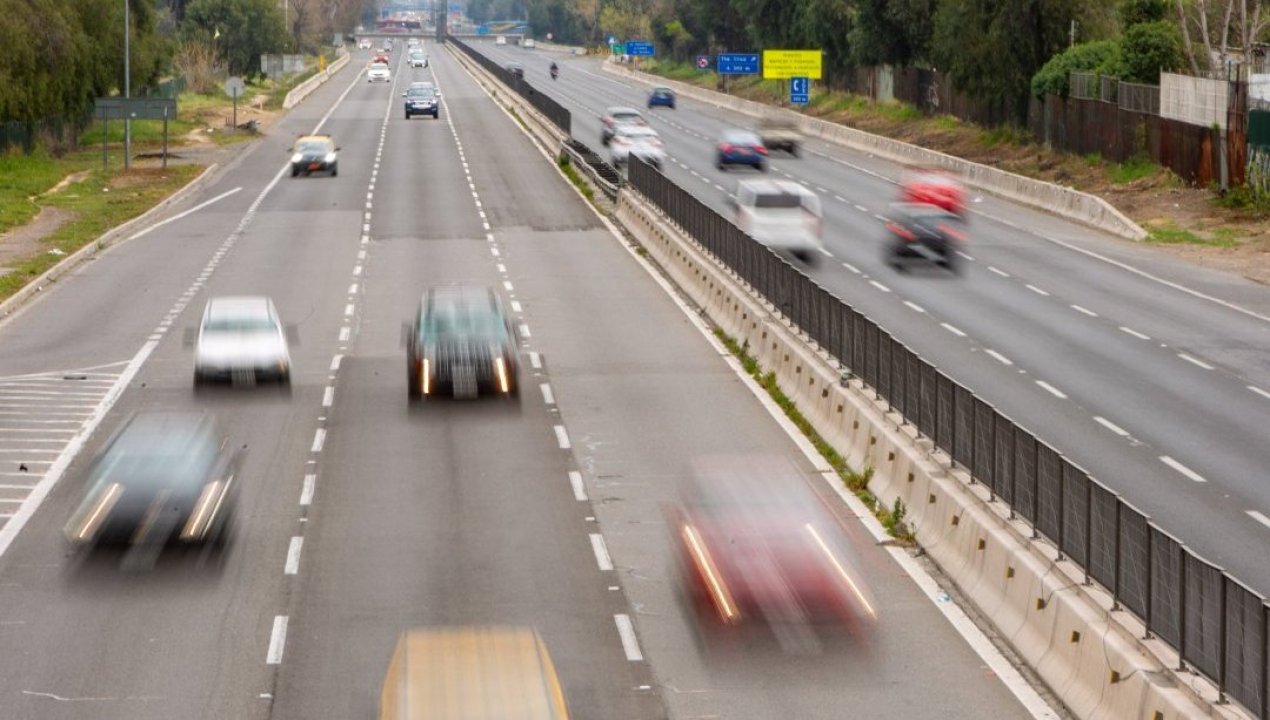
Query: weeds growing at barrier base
566, 166
891, 518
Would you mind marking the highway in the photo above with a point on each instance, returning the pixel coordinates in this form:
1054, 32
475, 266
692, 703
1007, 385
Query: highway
361, 516
1151, 374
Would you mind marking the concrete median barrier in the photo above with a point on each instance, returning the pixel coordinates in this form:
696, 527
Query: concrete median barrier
1063, 201
301, 91
1098, 666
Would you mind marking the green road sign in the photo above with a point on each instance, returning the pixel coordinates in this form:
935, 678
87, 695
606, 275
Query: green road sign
619, 49
135, 108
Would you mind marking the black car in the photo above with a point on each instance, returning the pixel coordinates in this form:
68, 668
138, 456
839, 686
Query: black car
925, 233
516, 69
163, 477
314, 153
422, 101
461, 343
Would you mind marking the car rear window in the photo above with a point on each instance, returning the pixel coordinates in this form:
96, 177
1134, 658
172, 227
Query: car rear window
742, 138
777, 200
627, 117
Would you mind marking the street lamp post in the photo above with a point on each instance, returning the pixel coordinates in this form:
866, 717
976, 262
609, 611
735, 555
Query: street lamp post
127, 85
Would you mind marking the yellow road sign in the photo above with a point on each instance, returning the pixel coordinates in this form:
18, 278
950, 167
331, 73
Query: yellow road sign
785, 64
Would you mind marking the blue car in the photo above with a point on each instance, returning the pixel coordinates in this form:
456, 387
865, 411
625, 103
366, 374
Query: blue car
422, 101
741, 147
663, 96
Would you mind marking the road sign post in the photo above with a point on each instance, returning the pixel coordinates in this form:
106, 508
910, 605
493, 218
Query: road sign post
234, 87
799, 90
117, 108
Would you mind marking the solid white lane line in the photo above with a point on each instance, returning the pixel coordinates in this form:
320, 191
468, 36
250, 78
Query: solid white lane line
915, 306
1259, 391
192, 210
952, 329
579, 490
1111, 426
547, 396
1037, 290
319, 439
880, 286
601, 552
293, 556
277, 640
306, 491
1256, 515
328, 396
1135, 333
1052, 390
999, 357
1182, 468
562, 437
625, 630
995, 269
1195, 361
1085, 311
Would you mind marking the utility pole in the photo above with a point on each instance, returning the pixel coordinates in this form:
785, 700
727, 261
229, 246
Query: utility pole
127, 86
1072, 35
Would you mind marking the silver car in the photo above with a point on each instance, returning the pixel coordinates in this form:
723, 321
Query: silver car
242, 340
639, 140
378, 72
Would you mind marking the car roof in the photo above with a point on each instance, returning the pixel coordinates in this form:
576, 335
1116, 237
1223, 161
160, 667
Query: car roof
239, 306
314, 138
622, 110
631, 129
736, 134
771, 186
459, 294
663, 89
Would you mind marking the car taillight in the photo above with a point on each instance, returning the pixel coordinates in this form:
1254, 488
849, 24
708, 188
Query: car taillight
760, 149
608, 122
951, 232
901, 231
725, 147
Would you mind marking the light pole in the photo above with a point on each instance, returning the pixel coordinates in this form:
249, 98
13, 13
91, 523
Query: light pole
127, 86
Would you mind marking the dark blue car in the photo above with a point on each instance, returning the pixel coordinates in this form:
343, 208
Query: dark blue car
741, 147
422, 101
663, 96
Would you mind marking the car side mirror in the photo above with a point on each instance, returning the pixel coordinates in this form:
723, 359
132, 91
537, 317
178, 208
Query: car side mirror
292, 332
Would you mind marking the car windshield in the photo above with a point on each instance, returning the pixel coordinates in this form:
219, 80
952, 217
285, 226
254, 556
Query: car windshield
662, 92
239, 324
639, 133
313, 146
159, 452
420, 93
627, 117
457, 319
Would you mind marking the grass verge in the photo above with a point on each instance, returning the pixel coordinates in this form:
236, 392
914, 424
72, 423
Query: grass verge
892, 518
1170, 235
566, 166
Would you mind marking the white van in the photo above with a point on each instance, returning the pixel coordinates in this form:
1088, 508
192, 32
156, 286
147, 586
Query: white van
781, 214
527, 43
500, 40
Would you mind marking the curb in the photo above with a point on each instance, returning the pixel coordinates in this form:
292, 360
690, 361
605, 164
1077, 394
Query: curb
301, 91
1081, 207
108, 239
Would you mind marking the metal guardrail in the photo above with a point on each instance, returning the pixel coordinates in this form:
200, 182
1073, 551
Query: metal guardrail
552, 110
1217, 625
604, 174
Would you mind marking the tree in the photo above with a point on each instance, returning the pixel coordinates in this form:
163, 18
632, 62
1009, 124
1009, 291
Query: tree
892, 32
1148, 48
1209, 27
1054, 77
243, 30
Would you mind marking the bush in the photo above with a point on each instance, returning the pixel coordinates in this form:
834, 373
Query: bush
1102, 57
1148, 48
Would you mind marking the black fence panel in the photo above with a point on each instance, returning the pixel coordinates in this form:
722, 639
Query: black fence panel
928, 399
859, 326
1075, 513
913, 388
1133, 587
1166, 587
1025, 498
1003, 457
982, 467
886, 359
901, 356
1049, 493
1104, 521
1202, 615
964, 420
945, 423
871, 332
1245, 646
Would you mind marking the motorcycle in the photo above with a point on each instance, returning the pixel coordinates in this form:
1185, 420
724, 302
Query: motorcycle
554, 72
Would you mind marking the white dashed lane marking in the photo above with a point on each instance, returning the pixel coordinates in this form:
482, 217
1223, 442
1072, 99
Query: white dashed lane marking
952, 329
1182, 468
1195, 361
1084, 311
999, 357
1052, 390
1259, 391
1135, 333
601, 551
1259, 517
579, 490
1111, 426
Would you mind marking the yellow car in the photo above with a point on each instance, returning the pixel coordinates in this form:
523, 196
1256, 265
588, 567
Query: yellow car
472, 673
314, 153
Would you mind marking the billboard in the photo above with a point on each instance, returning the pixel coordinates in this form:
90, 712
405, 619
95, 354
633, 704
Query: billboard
785, 64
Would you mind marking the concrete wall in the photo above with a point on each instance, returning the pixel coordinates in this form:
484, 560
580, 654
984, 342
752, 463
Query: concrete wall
301, 91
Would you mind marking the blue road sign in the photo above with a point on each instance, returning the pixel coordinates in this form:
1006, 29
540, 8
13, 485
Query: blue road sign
737, 64
703, 62
799, 91
638, 47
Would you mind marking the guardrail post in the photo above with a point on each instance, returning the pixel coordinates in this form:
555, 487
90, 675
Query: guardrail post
1115, 591
1089, 527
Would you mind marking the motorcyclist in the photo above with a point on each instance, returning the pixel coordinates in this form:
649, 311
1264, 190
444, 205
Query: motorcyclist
554, 70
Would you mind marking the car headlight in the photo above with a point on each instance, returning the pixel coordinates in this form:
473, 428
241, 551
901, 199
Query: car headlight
297, 158
330, 157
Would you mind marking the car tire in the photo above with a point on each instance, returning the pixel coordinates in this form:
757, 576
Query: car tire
407, 116
294, 171
413, 391
335, 170
719, 164
436, 115
761, 167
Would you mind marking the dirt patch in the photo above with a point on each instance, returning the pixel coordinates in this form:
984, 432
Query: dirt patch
27, 240
68, 180
135, 175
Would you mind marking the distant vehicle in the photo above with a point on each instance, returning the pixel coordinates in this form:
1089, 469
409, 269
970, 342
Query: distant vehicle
363, 44
418, 59
381, 57
924, 232
461, 343
779, 132
315, 153
516, 69
487, 673
615, 116
934, 187
528, 43
414, 43
661, 96
740, 147
241, 339
422, 101
500, 40
781, 214
164, 477
640, 141
378, 72
758, 548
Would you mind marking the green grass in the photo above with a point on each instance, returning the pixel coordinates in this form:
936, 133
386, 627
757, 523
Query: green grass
566, 166
891, 518
1123, 173
1004, 135
1093, 159
98, 203
22, 178
1246, 199
899, 112
1222, 237
946, 122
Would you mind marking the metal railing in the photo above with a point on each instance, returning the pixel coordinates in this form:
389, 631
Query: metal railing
554, 111
1218, 625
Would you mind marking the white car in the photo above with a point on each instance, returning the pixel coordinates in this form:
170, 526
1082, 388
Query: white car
241, 339
527, 43
781, 214
379, 72
500, 40
418, 59
639, 140
363, 45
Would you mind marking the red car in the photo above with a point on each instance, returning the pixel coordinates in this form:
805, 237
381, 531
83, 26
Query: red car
759, 548
928, 186
380, 58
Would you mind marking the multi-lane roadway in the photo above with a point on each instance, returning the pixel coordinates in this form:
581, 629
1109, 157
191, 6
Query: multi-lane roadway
1150, 373
360, 515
